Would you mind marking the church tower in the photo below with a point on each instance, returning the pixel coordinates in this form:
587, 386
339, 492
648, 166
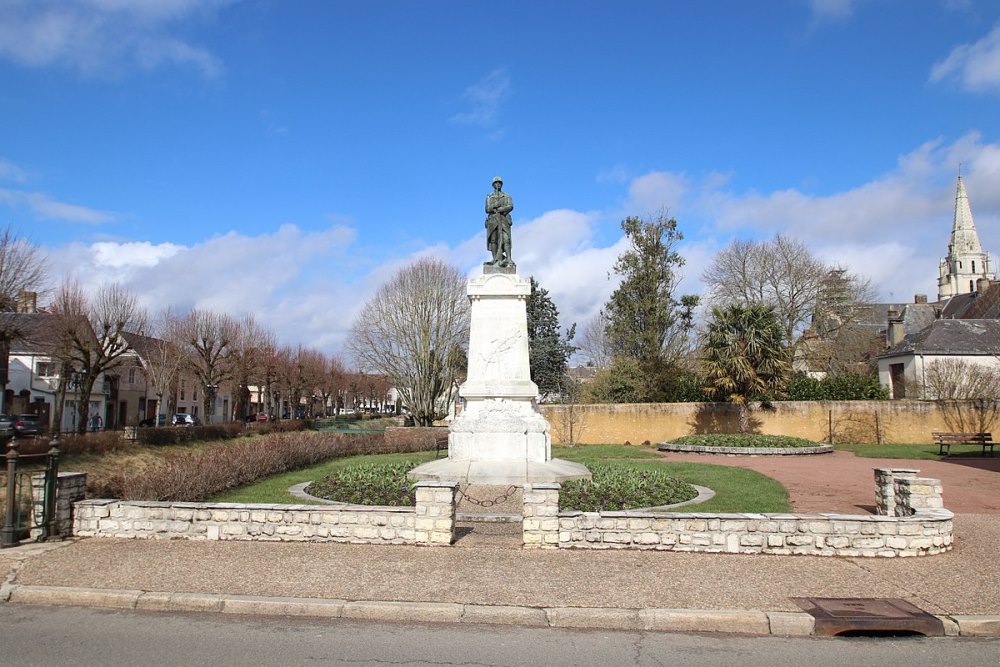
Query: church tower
966, 262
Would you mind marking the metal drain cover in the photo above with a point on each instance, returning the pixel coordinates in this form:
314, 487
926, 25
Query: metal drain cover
838, 616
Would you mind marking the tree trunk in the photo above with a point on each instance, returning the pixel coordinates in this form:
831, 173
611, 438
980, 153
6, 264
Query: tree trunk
744, 417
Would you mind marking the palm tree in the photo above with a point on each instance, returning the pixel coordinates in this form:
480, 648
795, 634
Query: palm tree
744, 356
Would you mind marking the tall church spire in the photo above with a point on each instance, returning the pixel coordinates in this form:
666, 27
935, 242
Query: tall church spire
966, 262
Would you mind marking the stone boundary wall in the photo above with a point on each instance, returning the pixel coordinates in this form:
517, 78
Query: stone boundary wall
70, 488
887, 422
430, 522
920, 526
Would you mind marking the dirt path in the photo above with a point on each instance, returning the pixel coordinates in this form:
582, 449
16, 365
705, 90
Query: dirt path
843, 482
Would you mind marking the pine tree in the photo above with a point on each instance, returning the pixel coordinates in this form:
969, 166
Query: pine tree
548, 351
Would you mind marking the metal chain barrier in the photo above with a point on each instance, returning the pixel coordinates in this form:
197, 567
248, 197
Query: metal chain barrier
503, 497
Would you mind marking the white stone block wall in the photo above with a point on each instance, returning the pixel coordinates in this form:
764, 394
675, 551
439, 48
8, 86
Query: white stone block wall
885, 488
540, 523
430, 522
70, 487
920, 527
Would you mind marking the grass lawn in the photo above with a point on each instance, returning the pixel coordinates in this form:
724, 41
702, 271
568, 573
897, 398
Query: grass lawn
737, 489
914, 452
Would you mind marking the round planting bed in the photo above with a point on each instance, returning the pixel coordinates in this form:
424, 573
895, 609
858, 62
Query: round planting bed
744, 451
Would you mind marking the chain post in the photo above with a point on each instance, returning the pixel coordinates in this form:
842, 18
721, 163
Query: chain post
49, 527
8, 534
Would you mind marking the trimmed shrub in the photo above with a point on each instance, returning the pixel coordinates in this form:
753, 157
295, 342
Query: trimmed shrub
195, 476
840, 387
614, 488
424, 437
744, 440
173, 435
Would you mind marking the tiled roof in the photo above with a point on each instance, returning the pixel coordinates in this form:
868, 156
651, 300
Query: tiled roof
952, 337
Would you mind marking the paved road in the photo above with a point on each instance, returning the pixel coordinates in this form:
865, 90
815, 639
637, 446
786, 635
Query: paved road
54, 636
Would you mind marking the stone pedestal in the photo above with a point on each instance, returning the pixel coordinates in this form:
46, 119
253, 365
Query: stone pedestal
500, 437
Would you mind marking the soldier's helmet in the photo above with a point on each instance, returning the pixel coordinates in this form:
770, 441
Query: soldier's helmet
497, 179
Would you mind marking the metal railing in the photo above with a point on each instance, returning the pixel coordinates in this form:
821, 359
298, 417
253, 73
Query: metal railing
19, 515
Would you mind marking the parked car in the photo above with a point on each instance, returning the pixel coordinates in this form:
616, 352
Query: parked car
262, 417
26, 425
6, 426
185, 419
146, 423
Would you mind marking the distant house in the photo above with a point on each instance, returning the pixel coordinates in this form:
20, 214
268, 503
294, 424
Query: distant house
36, 373
904, 367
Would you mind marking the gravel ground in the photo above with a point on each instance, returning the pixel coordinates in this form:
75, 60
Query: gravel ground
964, 581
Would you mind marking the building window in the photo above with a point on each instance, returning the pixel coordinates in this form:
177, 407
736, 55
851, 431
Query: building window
45, 369
972, 285
131, 376
183, 398
973, 266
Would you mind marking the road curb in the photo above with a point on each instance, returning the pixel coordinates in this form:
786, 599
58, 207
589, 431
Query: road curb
728, 621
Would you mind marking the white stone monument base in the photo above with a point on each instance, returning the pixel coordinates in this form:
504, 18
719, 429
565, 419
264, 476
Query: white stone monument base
517, 473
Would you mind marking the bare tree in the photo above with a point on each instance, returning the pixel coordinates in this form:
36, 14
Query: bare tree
22, 274
91, 333
969, 393
593, 341
243, 359
206, 339
161, 359
784, 274
413, 331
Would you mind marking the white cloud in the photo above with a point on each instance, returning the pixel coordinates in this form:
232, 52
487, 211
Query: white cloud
975, 67
103, 36
137, 254
657, 191
484, 99
46, 208
11, 172
892, 229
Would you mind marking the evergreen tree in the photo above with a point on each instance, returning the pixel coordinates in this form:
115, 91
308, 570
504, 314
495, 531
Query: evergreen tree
644, 320
547, 350
745, 358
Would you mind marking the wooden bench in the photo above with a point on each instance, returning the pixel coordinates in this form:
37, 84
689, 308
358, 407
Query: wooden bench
946, 440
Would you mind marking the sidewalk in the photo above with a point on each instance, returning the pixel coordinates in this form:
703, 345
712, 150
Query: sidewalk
489, 579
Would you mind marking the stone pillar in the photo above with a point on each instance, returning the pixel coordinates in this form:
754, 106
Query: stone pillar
70, 487
540, 525
917, 494
435, 523
885, 488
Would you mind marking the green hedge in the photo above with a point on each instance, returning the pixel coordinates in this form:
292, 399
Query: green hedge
841, 387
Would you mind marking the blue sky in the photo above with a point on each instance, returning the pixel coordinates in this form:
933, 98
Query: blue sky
287, 156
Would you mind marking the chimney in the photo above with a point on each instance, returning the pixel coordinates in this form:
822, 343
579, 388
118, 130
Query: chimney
982, 285
897, 328
27, 302
919, 298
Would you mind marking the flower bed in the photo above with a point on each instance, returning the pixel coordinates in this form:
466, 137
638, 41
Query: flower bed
744, 443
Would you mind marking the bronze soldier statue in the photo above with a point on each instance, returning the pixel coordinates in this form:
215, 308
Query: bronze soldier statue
498, 207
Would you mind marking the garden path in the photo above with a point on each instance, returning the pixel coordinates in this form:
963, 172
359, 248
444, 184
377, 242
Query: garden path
843, 482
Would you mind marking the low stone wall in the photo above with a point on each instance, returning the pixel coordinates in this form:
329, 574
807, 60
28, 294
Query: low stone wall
430, 522
919, 526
